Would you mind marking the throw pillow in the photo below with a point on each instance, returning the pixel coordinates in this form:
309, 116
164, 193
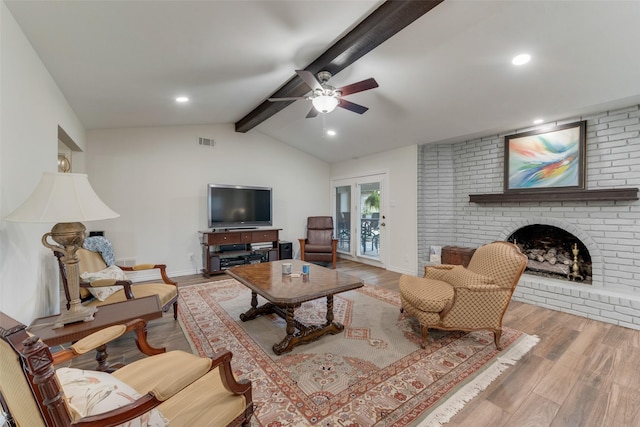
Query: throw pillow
460, 276
111, 272
93, 392
104, 292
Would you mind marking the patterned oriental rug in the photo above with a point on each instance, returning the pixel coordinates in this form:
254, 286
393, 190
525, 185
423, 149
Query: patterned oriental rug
372, 374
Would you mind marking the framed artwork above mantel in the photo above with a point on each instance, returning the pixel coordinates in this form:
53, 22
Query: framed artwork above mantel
546, 160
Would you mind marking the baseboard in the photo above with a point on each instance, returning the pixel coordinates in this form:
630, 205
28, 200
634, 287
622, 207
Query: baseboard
154, 274
401, 270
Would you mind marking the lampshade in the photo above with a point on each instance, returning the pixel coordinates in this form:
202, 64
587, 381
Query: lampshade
325, 104
62, 197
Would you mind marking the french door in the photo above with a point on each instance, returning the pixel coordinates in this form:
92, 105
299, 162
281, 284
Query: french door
359, 217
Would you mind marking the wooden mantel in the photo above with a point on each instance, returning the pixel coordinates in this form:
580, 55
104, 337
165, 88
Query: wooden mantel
599, 195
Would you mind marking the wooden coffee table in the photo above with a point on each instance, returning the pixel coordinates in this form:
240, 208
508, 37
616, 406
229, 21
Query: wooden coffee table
285, 293
147, 308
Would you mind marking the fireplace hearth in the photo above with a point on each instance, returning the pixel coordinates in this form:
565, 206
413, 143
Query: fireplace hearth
553, 252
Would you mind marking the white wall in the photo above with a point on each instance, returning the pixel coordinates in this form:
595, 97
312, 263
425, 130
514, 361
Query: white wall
31, 108
401, 210
156, 179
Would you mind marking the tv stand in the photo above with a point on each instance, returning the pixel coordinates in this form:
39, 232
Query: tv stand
240, 228
216, 259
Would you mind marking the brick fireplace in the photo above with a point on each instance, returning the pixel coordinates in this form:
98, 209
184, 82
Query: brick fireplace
608, 231
553, 252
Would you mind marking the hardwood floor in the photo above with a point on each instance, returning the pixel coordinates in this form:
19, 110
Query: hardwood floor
581, 373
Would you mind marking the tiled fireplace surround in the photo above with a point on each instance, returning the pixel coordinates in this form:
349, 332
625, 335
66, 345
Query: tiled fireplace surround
449, 173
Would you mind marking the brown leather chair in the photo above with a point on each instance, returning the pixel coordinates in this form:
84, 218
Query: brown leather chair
319, 246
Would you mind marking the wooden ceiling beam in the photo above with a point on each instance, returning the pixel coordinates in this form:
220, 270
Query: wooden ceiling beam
387, 20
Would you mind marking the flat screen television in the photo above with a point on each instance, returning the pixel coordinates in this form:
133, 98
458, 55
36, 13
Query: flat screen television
237, 206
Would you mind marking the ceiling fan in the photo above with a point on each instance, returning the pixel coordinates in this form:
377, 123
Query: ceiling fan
325, 98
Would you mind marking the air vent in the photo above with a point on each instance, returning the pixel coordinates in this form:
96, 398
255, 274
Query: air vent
126, 262
206, 142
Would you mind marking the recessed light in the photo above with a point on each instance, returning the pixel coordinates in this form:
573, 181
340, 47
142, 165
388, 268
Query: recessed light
521, 59
537, 121
331, 132
182, 99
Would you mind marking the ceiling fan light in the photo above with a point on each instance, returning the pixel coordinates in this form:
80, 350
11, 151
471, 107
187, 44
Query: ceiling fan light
324, 104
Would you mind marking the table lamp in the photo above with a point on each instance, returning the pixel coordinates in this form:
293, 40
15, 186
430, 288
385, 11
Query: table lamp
65, 199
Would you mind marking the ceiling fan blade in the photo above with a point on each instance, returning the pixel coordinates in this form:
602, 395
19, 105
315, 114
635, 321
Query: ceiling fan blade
309, 79
312, 113
292, 98
351, 106
358, 87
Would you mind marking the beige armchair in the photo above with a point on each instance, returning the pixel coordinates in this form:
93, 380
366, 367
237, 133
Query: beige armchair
173, 388
101, 284
456, 298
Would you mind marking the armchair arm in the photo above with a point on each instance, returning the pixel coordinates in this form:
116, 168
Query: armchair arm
161, 267
126, 284
104, 336
436, 272
98, 283
477, 306
302, 243
222, 360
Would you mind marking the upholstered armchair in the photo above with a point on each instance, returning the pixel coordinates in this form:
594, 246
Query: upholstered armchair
319, 245
102, 282
452, 297
174, 388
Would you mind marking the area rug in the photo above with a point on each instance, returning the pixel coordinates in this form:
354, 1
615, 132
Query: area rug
374, 373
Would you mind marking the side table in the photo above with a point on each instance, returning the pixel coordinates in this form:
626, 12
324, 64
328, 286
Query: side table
147, 308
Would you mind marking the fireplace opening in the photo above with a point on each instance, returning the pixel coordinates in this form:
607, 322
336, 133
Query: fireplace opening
553, 252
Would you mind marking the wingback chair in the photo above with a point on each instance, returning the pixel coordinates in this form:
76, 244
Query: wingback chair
452, 297
175, 388
102, 284
319, 245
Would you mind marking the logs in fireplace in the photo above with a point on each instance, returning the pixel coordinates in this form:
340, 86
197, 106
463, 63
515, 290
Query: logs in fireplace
553, 252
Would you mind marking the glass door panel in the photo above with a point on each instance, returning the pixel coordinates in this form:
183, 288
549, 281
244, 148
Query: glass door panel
369, 219
343, 217
358, 203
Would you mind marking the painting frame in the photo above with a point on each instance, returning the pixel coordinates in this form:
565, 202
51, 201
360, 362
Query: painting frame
546, 159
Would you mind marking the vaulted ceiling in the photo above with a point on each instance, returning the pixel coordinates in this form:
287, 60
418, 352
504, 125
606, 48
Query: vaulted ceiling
447, 76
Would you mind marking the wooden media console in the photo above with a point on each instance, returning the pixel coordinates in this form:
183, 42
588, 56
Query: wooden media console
227, 248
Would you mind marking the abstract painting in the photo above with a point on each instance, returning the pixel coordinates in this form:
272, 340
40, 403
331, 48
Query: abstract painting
546, 159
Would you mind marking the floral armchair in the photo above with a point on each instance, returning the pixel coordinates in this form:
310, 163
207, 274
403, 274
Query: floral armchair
452, 297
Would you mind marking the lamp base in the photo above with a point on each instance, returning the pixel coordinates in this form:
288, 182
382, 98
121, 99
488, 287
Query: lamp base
76, 313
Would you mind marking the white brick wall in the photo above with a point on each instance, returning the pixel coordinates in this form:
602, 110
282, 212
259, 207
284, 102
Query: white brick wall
448, 173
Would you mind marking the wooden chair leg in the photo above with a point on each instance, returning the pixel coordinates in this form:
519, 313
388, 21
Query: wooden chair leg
141, 340
175, 310
425, 336
497, 334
